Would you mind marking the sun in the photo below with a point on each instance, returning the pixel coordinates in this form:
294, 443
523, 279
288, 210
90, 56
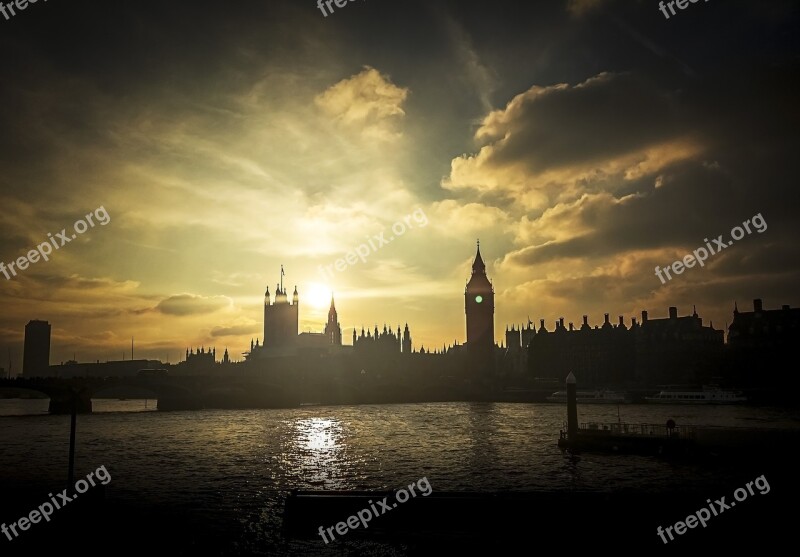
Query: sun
318, 295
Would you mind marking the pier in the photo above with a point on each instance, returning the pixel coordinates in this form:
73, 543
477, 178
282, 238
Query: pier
631, 438
669, 439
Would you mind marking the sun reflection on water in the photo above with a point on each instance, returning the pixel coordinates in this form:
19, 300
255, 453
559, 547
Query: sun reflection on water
320, 448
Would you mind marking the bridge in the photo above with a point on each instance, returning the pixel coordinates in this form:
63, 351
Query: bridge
171, 392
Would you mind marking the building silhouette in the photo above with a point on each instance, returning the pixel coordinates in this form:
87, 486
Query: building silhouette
36, 354
386, 343
333, 331
479, 310
515, 354
677, 350
762, 330
281, 318
282, 340
761, 346
406, 341
200, 359
672, 350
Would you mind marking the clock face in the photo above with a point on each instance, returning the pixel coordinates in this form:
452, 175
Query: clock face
479, 299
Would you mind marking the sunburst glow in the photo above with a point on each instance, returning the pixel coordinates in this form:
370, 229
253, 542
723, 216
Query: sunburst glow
318, 296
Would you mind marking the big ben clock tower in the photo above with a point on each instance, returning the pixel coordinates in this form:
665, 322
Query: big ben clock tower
479, 307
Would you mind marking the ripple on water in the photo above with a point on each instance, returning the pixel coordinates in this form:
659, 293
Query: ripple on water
238, 466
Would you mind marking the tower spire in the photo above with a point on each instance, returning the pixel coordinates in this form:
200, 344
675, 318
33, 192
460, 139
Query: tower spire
478, 266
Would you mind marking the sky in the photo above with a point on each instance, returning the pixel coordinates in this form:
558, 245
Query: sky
584, 142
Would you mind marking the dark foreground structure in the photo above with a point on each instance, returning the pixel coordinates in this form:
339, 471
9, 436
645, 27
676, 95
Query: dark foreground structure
446, 523
498, 522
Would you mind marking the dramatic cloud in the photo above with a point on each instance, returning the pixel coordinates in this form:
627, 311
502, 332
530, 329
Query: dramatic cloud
464, 219
367, 101
557, 141
583, 142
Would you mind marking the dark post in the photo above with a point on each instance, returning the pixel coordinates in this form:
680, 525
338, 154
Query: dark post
72, 423
572, 406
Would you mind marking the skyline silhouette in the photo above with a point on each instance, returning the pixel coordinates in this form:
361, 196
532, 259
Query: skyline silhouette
580, 173
519, 271
281, 325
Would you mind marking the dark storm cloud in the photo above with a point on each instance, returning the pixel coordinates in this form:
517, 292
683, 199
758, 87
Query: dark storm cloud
693, 202
598, 119
737, 114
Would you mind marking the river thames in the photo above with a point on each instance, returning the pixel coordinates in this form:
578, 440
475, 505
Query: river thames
231, 471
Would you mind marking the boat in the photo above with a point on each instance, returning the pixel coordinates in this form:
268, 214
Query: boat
592, 397
706, 396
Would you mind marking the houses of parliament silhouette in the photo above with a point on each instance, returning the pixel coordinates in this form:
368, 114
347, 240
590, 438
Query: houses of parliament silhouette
281, 320
281, 336
646, 353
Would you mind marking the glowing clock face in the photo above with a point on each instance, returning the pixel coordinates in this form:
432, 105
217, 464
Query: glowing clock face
479, 299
